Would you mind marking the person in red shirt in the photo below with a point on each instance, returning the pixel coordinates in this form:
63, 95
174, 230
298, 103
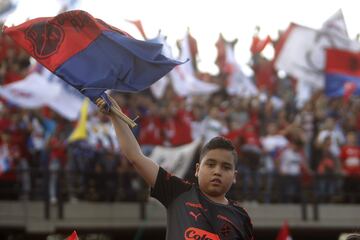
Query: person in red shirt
5, 121
250, 156
350, 161
178, 124
151, 130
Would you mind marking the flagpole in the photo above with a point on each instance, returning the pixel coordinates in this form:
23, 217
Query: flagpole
115, 109
123, 117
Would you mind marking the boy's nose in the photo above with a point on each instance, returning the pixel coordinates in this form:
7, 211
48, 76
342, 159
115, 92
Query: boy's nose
217, 170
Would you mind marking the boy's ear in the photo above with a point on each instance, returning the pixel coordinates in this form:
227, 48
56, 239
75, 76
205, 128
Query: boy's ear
197, 170
235, 175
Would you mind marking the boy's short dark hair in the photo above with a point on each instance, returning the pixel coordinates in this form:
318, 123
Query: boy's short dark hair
353, 236
219, 143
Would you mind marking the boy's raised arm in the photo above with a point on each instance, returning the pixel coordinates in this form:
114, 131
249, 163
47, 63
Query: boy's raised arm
130, 148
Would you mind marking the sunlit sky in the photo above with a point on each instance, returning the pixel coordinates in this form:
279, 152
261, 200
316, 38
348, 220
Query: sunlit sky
205, 18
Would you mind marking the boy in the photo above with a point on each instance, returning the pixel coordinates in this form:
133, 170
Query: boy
194, 211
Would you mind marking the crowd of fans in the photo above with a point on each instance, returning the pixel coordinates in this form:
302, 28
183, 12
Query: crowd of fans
283, 149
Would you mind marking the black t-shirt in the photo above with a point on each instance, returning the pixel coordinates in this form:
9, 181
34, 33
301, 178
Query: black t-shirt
191, 215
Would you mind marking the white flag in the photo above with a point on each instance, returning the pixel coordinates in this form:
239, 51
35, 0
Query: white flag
68, 101
303, 53
158, 88
183, 78
336, 25
36, 91
32, 92
66, 104
239, 84
175, 160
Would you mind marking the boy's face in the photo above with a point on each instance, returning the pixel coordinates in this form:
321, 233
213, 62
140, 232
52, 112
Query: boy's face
216, 172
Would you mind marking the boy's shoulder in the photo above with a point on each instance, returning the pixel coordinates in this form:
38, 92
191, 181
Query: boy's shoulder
239, 207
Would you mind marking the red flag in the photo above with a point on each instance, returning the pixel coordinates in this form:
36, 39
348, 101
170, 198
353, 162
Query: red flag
73, 236
139, 26
284, 233
258, 44
221, 53
264, 74
342, 73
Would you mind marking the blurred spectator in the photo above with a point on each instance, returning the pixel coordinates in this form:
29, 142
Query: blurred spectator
326, 173
305, 119
151, 129
107, 183
250, 162
272, 143
350, 161
290, 163
330, 129
213, 125
56, 162
78, 168
177, 126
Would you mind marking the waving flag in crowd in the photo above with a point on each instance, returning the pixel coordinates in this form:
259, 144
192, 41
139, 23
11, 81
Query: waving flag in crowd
237, 82
342, 73
301, 52
183, 77
284, 232
80, 133
158, 89
91, 55
73, 236
258, 44
36, 90
139, 26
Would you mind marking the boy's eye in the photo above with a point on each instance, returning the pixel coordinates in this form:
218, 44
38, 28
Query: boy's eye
211, 164
227, 167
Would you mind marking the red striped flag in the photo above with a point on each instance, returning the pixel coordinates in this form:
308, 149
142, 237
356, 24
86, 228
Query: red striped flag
284, 233
73, 236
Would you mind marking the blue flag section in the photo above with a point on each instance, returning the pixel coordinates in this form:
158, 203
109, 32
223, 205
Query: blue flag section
335, 85
114, 61
342, 73
91, 55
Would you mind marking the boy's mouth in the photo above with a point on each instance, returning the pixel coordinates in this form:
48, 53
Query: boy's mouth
216, 181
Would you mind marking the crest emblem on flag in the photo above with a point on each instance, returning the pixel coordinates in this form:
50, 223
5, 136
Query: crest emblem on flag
45, 38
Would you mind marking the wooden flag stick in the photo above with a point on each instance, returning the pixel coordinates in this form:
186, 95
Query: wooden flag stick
123, 117
115, 109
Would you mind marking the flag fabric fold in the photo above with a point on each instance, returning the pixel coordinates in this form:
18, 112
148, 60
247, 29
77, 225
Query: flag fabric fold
90, 54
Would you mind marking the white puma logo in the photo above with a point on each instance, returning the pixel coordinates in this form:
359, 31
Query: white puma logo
195, 215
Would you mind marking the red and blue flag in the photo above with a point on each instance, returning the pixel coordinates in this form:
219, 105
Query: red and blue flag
92, 55
342, 73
